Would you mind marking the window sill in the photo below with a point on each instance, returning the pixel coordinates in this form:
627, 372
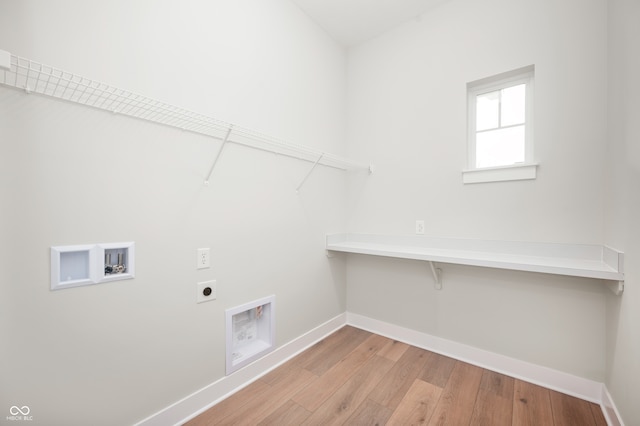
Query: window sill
500, 174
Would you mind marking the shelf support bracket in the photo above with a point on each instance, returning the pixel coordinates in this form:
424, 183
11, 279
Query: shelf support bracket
437, 275
616, 287
215, 161
309, 172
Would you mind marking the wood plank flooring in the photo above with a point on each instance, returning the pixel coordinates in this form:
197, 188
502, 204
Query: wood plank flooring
354, 377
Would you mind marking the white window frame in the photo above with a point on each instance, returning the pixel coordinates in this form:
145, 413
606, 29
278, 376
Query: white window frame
519, 171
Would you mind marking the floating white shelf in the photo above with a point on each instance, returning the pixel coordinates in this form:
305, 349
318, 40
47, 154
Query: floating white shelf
34, 77
578, 260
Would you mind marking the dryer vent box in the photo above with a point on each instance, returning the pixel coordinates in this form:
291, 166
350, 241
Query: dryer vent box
250, 332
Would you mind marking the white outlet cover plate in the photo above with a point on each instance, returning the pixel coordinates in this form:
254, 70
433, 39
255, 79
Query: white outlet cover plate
200, 296
204, 258
420, 227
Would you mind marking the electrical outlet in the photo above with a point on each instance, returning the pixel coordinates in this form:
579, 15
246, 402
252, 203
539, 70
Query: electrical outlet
206, 291
204, 258
420, 227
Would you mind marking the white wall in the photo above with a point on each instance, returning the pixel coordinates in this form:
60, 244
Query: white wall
623, 205
407, 114
116, 353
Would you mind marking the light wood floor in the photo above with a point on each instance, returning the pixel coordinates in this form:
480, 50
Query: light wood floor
358, 378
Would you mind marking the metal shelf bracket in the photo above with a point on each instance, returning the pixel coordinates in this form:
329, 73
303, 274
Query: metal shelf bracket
309, 172
215, 161
437, 276
616, 287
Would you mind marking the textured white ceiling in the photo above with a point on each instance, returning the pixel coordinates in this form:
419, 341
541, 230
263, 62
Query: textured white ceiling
353, 21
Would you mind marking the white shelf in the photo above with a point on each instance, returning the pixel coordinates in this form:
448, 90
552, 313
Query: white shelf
34, 77
578, 260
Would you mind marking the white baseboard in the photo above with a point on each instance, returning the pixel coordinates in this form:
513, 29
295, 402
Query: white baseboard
205, 398
198, 402
609, 409
562, 382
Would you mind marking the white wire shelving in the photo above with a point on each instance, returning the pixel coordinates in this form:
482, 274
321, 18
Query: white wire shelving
34, 77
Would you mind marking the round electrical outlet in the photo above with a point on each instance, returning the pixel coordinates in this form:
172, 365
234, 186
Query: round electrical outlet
206, 291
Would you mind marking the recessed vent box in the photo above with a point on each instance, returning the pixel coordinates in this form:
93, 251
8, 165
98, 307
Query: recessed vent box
250, 332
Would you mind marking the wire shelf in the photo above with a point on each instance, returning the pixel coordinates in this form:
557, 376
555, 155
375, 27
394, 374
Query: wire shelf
46, 80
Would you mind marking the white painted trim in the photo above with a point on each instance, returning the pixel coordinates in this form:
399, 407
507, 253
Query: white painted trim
500, 174
611, 413
203, 399
524, 75
579, 387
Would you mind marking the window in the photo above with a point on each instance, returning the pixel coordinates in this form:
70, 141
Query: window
500, 128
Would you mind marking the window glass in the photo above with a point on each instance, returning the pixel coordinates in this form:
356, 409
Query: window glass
488, 111
500, 126
500, 147
512, 106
